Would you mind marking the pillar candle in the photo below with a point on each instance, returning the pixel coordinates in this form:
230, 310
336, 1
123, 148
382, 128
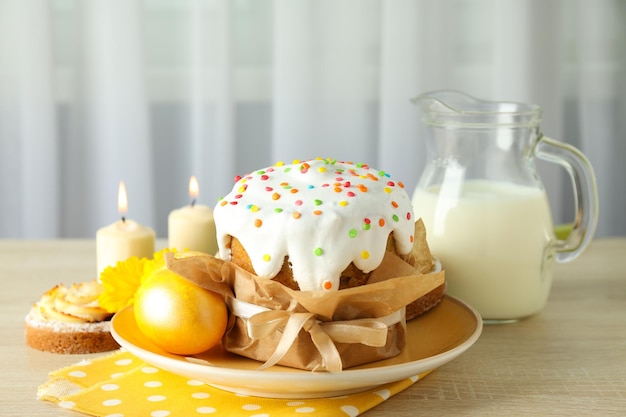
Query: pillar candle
192, 227
123, 239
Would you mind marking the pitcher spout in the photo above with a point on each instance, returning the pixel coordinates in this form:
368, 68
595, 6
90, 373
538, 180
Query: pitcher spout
442, 107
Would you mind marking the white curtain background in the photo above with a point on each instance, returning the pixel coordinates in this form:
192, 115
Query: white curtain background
154, 91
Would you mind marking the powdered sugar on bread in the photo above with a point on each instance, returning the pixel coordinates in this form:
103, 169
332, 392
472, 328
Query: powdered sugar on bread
69, 320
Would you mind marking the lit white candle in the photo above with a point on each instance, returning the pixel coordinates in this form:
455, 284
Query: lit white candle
192, 227
124, 238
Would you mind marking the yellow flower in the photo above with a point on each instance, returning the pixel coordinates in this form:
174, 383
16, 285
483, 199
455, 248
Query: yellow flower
120, 282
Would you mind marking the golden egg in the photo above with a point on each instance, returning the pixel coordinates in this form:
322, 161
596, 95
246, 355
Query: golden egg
179, 316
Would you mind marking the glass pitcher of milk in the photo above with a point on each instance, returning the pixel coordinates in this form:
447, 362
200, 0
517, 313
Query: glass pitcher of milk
485, 209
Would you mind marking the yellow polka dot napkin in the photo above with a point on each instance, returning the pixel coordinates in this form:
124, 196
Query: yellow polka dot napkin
120, 384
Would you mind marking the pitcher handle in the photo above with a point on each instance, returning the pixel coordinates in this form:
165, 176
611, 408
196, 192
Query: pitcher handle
585, 195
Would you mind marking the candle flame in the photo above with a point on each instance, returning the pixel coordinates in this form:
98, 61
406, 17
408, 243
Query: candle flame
122, 199
194, 189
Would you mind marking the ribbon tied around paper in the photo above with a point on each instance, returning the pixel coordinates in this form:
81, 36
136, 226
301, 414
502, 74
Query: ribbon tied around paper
262, 322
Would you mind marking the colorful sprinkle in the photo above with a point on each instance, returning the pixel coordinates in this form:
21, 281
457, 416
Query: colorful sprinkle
340, 184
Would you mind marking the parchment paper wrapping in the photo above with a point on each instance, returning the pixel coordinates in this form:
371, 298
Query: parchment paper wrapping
314, 330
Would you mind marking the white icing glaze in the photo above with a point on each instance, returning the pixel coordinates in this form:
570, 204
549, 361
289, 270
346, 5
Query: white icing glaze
322, 213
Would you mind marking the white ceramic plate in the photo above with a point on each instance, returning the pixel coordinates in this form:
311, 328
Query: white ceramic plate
434, 339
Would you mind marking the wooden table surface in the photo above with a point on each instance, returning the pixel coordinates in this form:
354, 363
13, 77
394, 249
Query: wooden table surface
569, 360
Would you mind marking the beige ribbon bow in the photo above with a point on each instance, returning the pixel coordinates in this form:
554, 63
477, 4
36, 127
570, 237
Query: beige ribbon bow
262, 322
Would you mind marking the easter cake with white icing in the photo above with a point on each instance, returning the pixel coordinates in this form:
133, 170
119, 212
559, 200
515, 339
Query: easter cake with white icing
320, 225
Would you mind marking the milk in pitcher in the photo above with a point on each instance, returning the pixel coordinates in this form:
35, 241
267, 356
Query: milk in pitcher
485, 208
465, 231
